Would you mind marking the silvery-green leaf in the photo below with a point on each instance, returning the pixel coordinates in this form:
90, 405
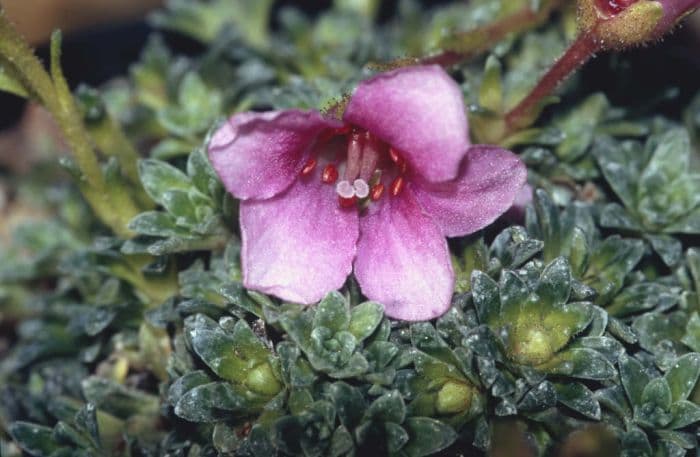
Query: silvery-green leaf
217, 400
427, 436
539, 398
390, 407
669, 249
579, 126
683, 376
583, 363
579, 398
684, 413
691, 338
159, 177
33, 438
615, 216
636, 443
364, 319
396, 437
634, 378
555, 283
620, 164
333, 313
486, 297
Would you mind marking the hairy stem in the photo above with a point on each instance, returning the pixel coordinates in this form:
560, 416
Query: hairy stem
52, 91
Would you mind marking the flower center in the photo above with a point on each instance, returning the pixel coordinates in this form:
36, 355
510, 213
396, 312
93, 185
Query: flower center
614, 7
363, 171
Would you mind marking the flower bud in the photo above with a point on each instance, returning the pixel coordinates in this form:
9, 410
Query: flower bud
617, 24
454, 397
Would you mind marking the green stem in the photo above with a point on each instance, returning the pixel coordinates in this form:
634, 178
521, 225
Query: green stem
70, 121
52, 91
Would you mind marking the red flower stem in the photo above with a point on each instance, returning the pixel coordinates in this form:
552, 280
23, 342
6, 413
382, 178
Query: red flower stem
578, 53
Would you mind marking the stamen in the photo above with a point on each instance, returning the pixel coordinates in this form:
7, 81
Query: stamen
361, 188
309, 167
345, 190
396, 186
376, 192
370, 156
352, 168
330, 174
394, 155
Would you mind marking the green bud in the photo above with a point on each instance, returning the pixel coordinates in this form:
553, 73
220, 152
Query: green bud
454, 397
262, 380
531, 346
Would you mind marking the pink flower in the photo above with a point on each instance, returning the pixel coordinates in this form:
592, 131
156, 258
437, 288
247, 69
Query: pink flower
674, 11
377, 192
671, 12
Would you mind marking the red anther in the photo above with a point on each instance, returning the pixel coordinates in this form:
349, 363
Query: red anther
347, 202
309, 167
376, 192
330, 174
394, 155
396, 186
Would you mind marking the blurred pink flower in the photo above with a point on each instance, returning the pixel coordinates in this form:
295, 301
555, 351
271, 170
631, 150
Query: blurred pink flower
376, 193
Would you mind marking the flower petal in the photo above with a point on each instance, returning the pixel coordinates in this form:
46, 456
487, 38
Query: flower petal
298, 245
403, 261
489, 180
418, 110
258, 155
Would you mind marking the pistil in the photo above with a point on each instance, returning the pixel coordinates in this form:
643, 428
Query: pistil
353, 165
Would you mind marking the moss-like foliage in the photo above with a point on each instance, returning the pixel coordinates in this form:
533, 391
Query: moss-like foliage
575, 323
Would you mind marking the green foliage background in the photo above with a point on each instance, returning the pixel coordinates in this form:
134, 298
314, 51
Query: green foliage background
577, 331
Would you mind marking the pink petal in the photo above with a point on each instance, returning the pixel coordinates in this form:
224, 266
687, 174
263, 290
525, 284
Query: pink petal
403, 261
516, 213
298, 245
418, 110
258, 155
489, 180
674, 10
